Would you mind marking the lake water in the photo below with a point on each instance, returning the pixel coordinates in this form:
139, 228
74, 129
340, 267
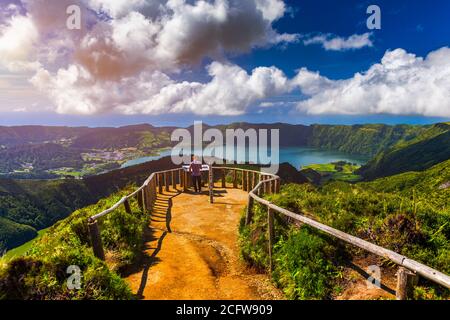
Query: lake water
296, 156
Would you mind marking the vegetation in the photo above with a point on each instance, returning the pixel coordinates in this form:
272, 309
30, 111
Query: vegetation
40, 156
13, 234
30, 205
407, 213
367, 139
340, 171
45, 152
305, 263
41, 273
23, 249
54, 152
426, 150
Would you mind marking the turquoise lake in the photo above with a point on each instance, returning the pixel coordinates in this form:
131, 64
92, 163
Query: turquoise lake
296, 156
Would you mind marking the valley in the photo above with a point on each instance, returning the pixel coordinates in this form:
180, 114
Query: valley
397, 178
34, 152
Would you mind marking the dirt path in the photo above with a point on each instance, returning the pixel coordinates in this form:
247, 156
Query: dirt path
192, 251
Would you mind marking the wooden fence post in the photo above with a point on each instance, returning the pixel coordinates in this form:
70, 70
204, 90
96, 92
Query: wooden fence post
223, 179
264, 184
255, 180
234, 179
269, 185
140, 201
250, 181
149, 201
277, 185
406, 280
160, 183
182, 180
244, 180
249, 215
174, 181
151, 195
166, 181
258, 192
186, 181
96, 240
127, 206
144, 200
155, 193
211, 184
271, 236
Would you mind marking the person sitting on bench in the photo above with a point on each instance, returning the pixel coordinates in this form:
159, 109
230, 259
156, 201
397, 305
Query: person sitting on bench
195, 169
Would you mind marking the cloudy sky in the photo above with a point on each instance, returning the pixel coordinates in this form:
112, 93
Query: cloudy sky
176, 61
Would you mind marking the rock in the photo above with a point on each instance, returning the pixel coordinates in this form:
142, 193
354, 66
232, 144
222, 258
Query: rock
445, 186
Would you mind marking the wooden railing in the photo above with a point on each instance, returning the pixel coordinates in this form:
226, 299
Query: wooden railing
258, 184
146, 195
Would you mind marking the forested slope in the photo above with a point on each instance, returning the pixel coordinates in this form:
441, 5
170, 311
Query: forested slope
427, 149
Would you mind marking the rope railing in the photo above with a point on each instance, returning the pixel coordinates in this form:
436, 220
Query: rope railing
258, 184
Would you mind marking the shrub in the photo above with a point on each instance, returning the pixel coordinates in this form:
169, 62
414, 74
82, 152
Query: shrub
41, 273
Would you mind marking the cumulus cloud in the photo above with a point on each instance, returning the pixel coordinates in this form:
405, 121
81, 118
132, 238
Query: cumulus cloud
127, 53
17, 39
401, 84
335, 43
230, 91
130, 57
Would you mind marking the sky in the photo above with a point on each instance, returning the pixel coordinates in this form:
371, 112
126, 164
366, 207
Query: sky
172, 62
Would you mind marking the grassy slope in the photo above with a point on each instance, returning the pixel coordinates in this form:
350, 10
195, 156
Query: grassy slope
367, 139
13, 234
41, 203
41, 273
335, 171
426, 150
23, 249
37, 204
408, 213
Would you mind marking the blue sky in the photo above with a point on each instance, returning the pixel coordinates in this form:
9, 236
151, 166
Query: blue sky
417, 27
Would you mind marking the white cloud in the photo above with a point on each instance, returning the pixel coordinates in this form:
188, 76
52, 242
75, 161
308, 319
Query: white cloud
276, 104
230, 91
126, 63
336, 43
119, 8
17, 39
401, 84
130, 62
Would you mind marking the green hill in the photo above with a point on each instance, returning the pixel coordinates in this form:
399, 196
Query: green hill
13, 234
427, 149
41, 272
368, 139
38, 204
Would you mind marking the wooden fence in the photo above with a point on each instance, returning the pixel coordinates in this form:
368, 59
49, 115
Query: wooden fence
258, 184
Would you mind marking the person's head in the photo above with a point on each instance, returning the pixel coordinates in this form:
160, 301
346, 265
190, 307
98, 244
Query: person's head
194, 158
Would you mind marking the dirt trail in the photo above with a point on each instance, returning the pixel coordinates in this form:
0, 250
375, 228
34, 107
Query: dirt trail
192, 251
